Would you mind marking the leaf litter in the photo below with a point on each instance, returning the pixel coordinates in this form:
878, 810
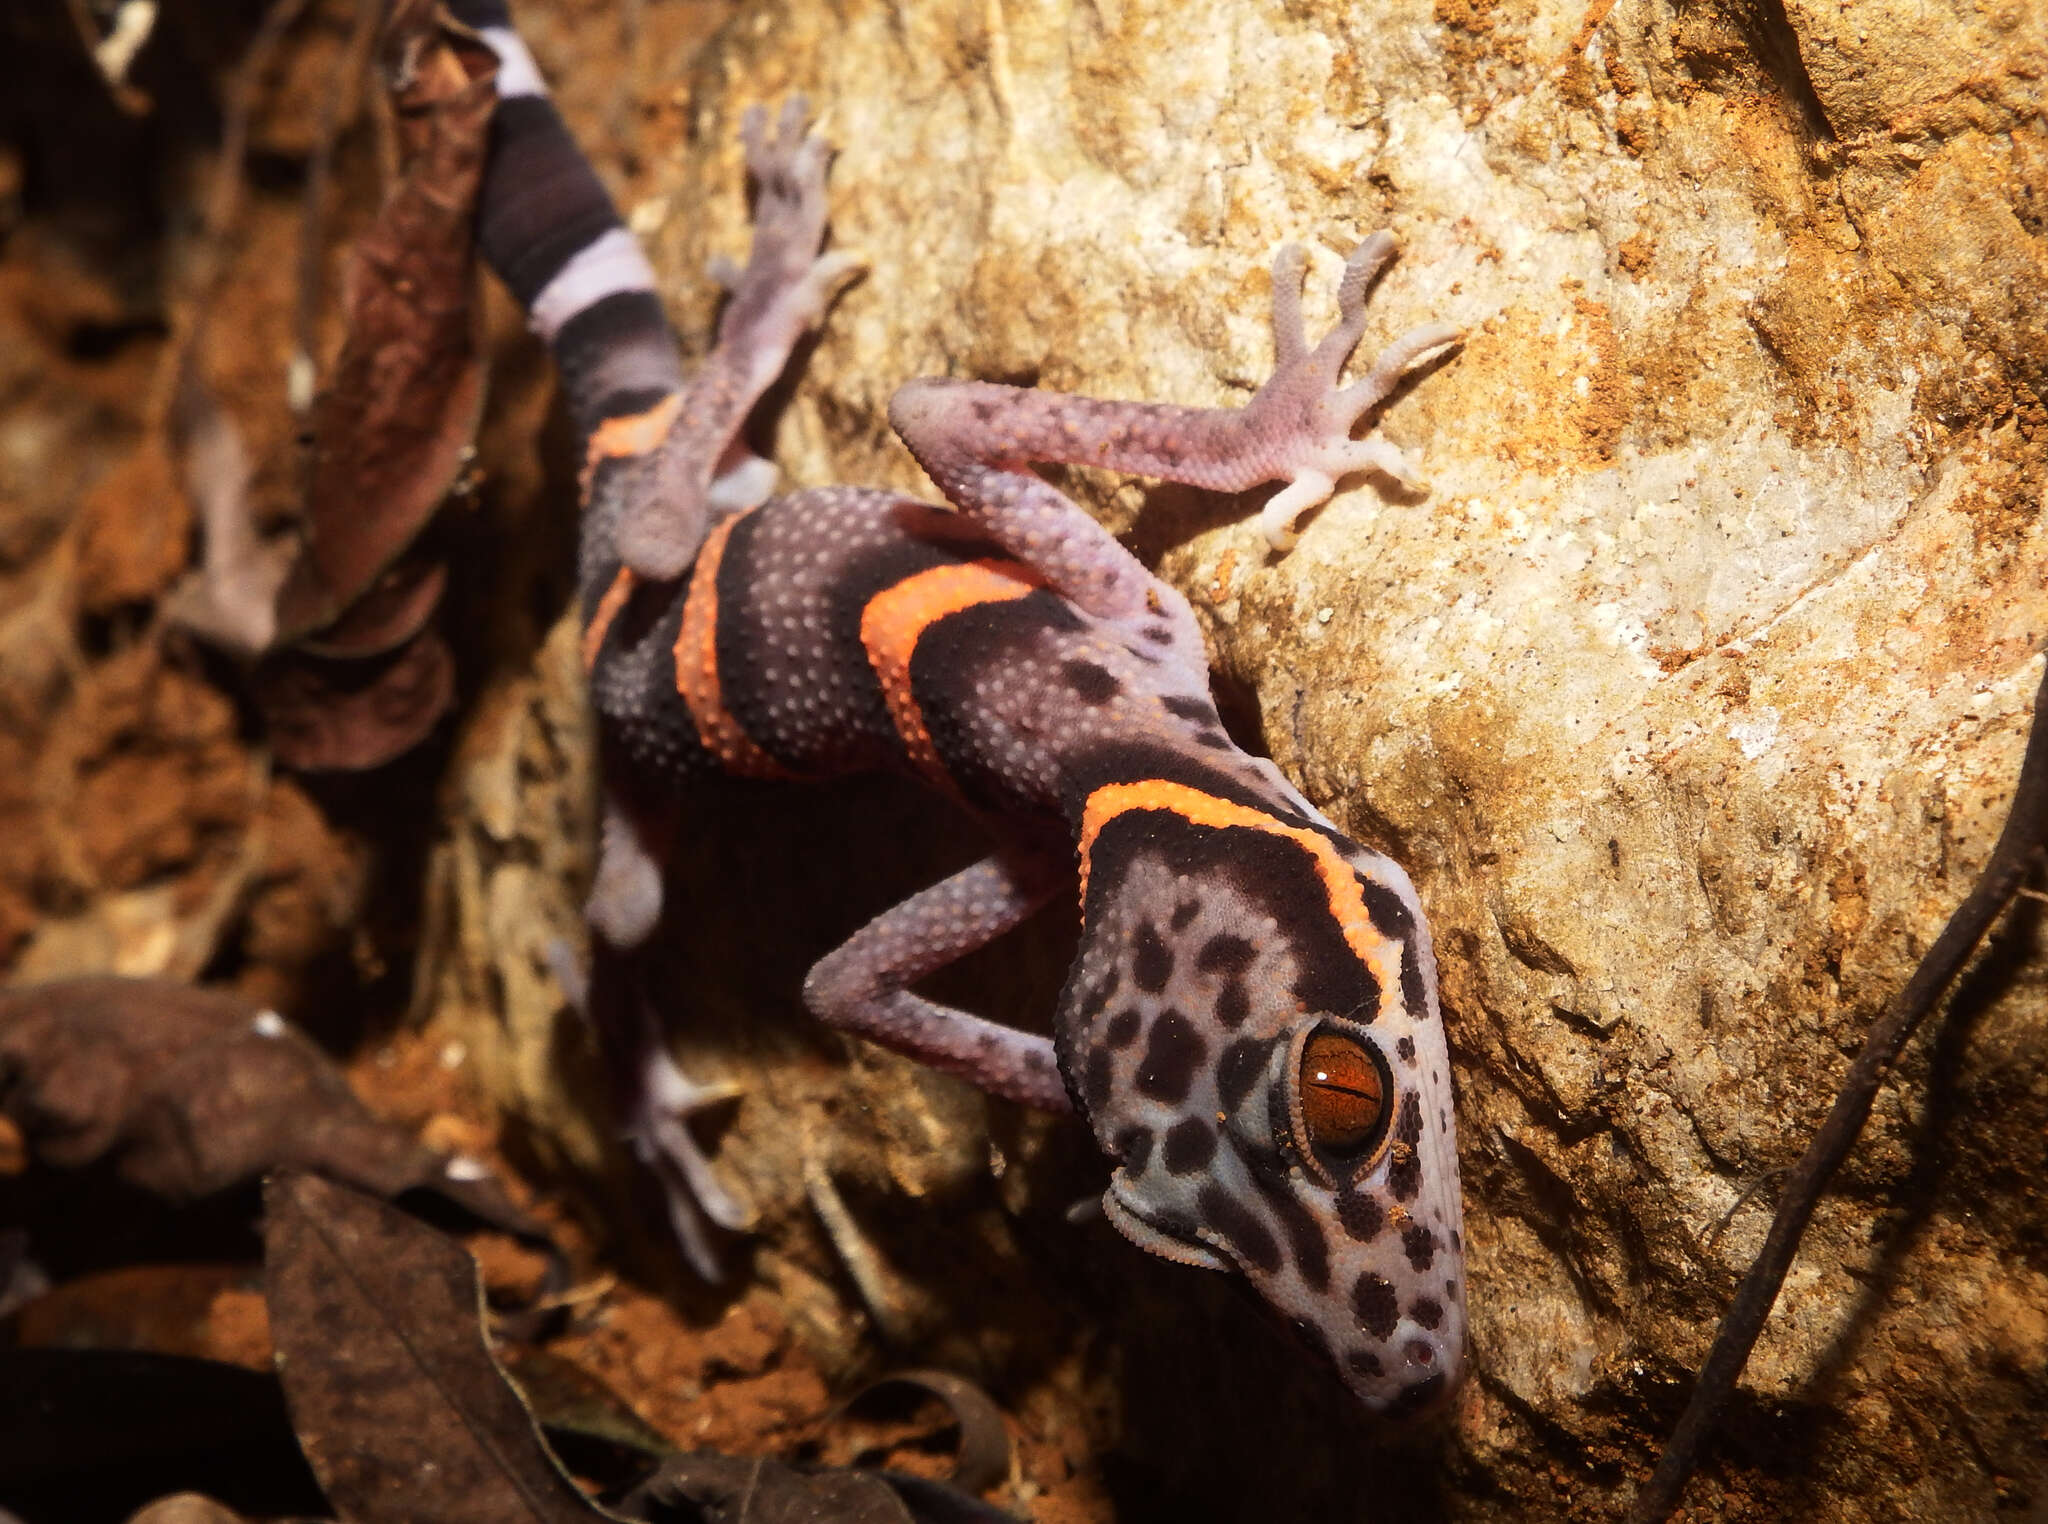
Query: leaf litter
113, 1097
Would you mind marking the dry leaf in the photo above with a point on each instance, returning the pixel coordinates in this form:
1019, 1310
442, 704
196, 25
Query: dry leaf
397, 1401
189, 1091
394, 425
983, 1458
735, 1489
349, 716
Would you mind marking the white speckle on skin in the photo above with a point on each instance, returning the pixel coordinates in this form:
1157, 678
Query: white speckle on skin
269, 1024
463, 1167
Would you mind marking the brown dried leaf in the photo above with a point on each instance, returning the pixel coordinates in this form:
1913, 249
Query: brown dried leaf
736, 1489
189, 1091
394, 425
396, 1399
335, 716
983, 1458
396, 607
728, 1489
165, 1309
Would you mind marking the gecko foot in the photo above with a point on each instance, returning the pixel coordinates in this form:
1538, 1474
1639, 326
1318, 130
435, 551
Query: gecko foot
658, 1132
786, 284
655, 1101
704, 466
1305, 411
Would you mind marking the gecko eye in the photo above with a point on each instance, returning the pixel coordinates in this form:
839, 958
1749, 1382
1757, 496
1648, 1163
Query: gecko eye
1341, 1099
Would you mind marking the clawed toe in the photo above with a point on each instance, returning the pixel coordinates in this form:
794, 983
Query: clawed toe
1360, 271
789, 167
768, 159
791, 164
656, 1101
660, 1136
1365, 265
1393, 362
1290, 269
827, 274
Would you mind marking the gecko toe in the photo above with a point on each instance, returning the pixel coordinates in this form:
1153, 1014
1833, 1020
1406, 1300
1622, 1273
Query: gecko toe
1290, 341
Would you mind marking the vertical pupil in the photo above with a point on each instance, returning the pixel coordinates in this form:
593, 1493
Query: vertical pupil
1343, 1097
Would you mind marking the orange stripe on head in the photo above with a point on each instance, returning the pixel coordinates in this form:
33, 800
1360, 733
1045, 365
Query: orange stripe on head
629, 434
896, 619
1340, 882
602, 616
697, 667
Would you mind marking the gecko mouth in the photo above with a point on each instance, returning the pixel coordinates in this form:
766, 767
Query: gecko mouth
1170, 1238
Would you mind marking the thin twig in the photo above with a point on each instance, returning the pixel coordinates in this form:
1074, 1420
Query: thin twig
343, 91
226, 199
223, 203
2022, 848
132, 26
230, 596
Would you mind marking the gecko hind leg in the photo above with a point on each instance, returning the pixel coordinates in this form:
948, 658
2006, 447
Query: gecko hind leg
863, 986
977, 440
654, 1101
626, 892
703, 464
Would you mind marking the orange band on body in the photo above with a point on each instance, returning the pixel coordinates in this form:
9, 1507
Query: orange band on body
1340, 882
602, 616
629, 434
697, 667
896, 619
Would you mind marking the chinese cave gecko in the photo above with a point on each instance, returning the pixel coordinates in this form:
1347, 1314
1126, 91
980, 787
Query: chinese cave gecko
1250, 1028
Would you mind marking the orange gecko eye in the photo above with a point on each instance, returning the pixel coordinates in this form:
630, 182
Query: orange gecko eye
1343, 1094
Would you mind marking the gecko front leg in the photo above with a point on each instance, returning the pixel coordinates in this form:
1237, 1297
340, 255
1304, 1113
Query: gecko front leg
977, 440
703, 466
864, 986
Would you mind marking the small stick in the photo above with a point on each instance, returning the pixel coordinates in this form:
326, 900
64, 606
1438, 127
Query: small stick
223, 205
2022, 848
342, 93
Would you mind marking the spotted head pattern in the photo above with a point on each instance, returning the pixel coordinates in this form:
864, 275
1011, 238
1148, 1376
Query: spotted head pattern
1253, 1033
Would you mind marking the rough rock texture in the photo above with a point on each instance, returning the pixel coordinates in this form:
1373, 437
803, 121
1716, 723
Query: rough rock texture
1692, 693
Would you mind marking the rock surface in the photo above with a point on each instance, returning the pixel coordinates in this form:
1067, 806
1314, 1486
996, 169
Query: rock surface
1691, 693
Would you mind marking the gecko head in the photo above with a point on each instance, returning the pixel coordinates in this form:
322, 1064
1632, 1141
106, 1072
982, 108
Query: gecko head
1252, 1032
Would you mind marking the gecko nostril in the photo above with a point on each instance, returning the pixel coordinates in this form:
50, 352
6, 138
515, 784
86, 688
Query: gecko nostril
1418, 1398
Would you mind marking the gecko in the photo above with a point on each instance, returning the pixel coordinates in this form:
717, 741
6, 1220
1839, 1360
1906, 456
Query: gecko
1250, 1028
